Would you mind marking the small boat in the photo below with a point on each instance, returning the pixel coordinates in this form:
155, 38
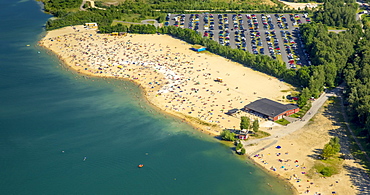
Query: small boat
141, 165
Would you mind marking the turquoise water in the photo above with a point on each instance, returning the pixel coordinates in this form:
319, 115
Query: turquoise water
46, 109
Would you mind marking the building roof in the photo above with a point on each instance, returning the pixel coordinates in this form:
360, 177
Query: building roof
232, 111
269, 107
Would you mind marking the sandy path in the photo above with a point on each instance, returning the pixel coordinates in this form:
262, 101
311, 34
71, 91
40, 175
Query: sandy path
175, 78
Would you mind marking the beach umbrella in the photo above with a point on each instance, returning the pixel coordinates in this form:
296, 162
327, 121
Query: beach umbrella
278, 147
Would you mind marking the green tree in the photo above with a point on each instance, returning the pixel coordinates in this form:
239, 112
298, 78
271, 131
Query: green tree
227, 135
242, 152
255, 126
239, 146
244, 123
303, 97
331, 149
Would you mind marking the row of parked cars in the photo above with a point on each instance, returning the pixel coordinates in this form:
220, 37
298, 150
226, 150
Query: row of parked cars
236, 30
291, 48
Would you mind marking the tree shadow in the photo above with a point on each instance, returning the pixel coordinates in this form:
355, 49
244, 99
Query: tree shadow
316, 154
348, 146
359, 178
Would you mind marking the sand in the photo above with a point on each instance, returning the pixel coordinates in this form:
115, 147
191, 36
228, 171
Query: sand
299, 151
176, 79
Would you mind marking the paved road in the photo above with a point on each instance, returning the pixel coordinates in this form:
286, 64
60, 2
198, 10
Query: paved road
156, 24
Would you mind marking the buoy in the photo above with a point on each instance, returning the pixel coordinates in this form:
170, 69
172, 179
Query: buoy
141, 165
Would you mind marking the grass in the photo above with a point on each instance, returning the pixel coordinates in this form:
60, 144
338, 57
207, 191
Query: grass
197, 46
326, 168
115, 22
279, 58
200, 121
335, 28
260, 134
302, 111
282, 121
134, 17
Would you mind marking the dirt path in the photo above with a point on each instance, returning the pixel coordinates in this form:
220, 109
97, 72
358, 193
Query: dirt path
82, 5
350, 130
92, 3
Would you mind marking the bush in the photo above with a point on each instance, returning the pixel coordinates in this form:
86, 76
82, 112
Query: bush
239, 146
328, 171
243, 151
227, 135
331, 149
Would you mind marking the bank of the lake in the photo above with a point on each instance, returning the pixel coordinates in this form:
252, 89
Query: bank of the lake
46, 109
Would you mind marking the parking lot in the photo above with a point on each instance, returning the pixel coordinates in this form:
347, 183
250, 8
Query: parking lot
276, 35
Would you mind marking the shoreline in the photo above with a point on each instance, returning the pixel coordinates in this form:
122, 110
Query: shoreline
194, 125
212, 127
179, 83
143, 93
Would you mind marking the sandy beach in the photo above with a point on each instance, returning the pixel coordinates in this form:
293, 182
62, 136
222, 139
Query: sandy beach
183, 83
299, 151
176, 79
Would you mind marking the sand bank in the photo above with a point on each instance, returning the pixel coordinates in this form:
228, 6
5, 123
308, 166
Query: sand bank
176, 79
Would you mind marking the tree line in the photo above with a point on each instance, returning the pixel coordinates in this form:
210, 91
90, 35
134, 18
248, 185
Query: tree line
357, 77
339, 13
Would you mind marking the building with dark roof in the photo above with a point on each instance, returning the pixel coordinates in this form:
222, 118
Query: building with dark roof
233, 111
271, 109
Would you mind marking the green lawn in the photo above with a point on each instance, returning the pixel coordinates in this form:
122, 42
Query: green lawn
326, 168
302, 111
335, 28
115, 22
282, 121
260, 134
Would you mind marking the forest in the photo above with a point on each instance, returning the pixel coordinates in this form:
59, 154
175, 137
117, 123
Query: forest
339, 13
